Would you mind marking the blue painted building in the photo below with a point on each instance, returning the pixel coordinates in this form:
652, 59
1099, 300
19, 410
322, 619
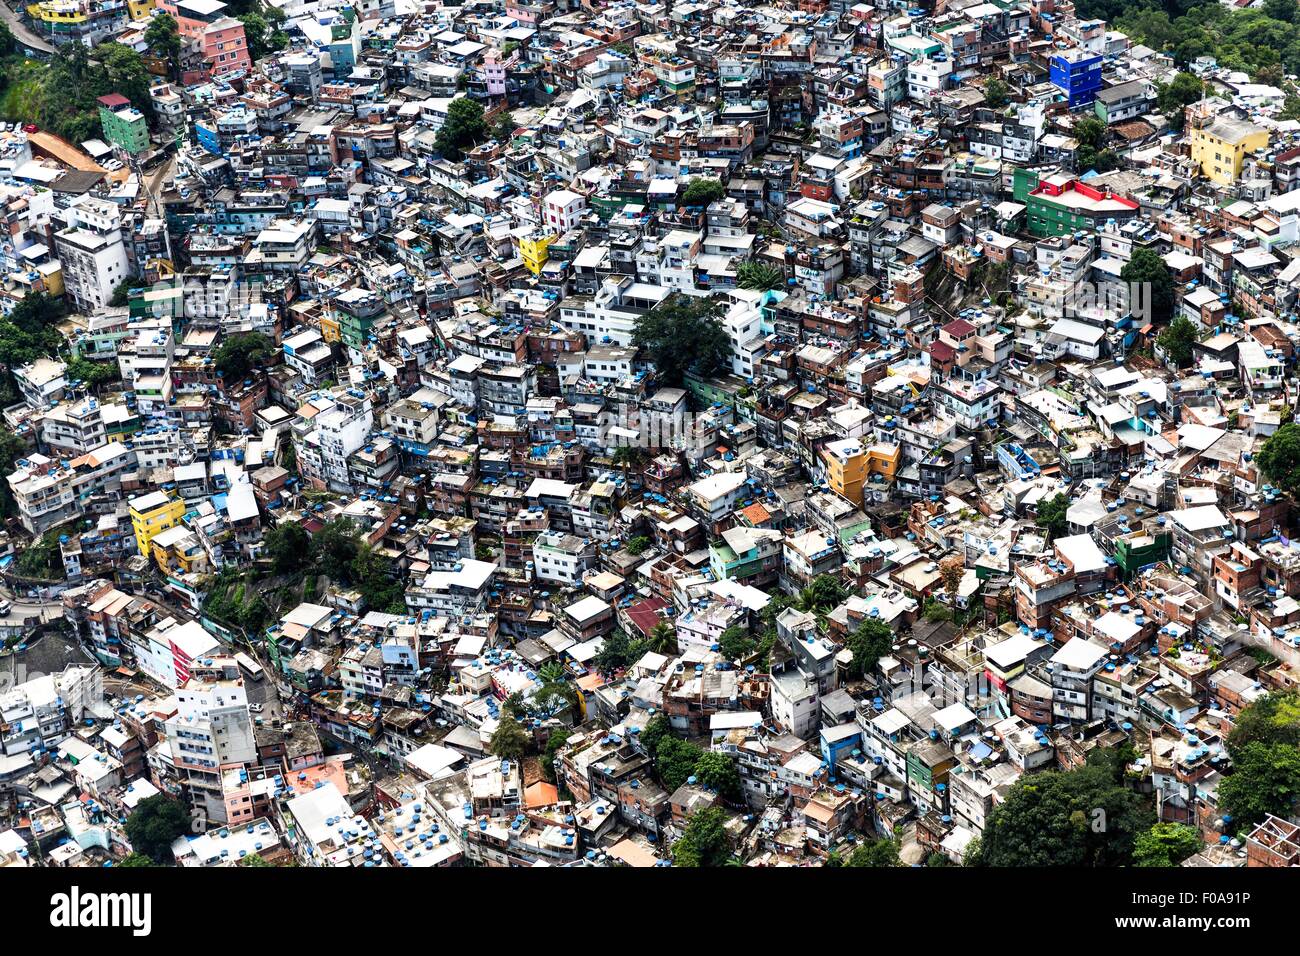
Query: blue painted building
839, 741
1078, 75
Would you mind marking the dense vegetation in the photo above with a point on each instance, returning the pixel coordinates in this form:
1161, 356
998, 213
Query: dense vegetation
155, 825
1082, 817
60, 95
1265, 750
1279, 458
463, 129
1263, 42
682, 336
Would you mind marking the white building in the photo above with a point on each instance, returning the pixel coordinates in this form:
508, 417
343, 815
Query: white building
562, 209
42, 711
92, 252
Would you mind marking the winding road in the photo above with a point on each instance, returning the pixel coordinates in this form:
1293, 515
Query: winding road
23, 33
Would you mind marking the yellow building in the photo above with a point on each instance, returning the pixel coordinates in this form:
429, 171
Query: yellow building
139, 9
177, 551
533, 250
329, 329
850, 465
1220, 146
152, 514
846, 468
883, 459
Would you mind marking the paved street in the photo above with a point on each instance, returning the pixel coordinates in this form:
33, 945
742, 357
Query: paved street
23, 33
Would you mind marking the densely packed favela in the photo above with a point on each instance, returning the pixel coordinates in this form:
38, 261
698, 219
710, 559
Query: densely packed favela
672, 434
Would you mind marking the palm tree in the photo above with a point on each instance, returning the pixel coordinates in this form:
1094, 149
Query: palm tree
552, 672
663, 638
821, 595
759, 276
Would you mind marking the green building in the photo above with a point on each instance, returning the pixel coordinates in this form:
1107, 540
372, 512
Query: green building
357, 311
1061, 205
1136, 550
124, 125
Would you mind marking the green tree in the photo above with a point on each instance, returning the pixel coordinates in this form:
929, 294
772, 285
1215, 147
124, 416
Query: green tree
509, 741
1177, 340
1273, 719
376, 577
334, 548
552, 672
1175, 96
1080, 817
681, 335
253, 860
12, 449
1265, 779
638, 545
662, 638
617, 652
1166, 844
1090, 131
552, 698
262, 34
241, 353
1052, 513
655, 730
936, 611
996, 93
156, 823
822, 595
122, 292
1146, 271
675, 761
759, 276
704, 841
163, 39
702, 190
42, 559
463, 129
92, 374
869, 642
737, 643
1278, 459
7, 43
875, 853
718, 772
554, 743
29, 332
135, 859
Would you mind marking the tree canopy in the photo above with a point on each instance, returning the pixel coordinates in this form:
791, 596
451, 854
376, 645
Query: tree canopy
875, 853
759, 276
869, 643
1279, 459
996, 93
681, 335
1177, 340
1147, 274
1265, 749
1265, 779
1081, 817
155, 825
1051, 515
1166, 844
242, 352
288, 546
509, 741
463, 129
704, 842
702, 190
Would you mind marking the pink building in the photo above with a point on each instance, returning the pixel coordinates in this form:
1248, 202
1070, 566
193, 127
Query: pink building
220, 38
